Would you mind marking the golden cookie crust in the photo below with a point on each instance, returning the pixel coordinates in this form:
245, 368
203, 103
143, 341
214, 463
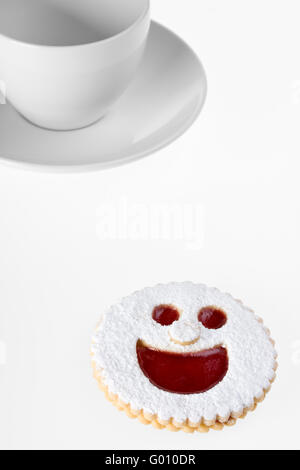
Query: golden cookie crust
202, 426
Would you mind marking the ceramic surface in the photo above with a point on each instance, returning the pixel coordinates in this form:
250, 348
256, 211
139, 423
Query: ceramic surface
65, 64
162, 102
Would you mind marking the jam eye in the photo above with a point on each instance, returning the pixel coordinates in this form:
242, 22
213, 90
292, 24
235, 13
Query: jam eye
165, 314
212, 318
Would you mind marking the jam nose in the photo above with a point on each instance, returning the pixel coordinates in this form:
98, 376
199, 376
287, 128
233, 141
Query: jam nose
184, 333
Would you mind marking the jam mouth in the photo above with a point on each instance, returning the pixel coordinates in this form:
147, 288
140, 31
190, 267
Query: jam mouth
183, 373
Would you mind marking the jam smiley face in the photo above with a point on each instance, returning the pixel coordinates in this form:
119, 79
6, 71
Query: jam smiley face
186, 372
183, 351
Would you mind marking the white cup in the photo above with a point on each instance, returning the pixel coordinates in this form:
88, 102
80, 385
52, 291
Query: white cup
66, 62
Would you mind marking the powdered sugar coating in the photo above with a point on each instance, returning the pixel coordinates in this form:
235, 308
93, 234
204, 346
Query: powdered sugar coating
184, 332
252, 356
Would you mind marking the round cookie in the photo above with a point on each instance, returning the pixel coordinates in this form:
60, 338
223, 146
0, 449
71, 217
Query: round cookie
183, 356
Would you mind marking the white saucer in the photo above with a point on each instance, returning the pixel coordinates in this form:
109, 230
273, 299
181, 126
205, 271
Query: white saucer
164, 100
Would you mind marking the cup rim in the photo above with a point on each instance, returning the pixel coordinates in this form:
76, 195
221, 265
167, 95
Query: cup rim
139, 20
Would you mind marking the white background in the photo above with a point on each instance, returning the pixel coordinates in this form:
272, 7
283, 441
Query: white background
240, 163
